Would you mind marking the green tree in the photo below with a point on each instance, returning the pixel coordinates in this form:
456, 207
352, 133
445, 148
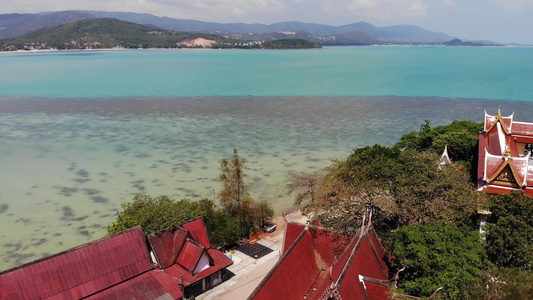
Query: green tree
235, 196
400, 187
153, 214
434, 252
156, 214
501, 284
459, 136
510, 231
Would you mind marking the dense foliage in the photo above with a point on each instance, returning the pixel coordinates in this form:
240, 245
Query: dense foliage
156, 214
402, 187
290, 44
459, 136
103, 33
437, 253
500, 284
510, 231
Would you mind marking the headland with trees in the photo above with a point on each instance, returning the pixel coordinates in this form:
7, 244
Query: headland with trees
425, 212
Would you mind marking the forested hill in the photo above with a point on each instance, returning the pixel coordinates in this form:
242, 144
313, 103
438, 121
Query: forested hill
112, 33
101, 34
290, 44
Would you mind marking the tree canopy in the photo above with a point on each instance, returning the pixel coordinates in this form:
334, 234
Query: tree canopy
459, 136
156, 214
402, 187
436, 253
510, 231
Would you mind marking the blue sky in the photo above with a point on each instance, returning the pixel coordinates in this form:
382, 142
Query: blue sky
502, 21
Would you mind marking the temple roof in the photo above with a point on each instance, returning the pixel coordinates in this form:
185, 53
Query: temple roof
503, 164
309, 270
119, 267
81, 271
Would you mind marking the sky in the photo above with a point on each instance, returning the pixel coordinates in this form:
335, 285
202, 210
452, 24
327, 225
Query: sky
503, 21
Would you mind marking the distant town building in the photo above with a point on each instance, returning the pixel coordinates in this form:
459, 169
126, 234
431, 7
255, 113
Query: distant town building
122, 267
504, 163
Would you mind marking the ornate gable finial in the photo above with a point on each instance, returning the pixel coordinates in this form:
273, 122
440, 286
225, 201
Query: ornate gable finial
507, 154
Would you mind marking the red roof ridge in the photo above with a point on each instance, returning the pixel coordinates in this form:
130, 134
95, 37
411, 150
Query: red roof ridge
77, 247
280, 261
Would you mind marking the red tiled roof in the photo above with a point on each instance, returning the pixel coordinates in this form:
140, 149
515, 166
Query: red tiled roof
339, 265
364, 263
520, 128
329, 245
507, 122
81, 271
171, 276
376, 291
198, 231
190, 255
142, 287
379, 250
166, 245
292, 231
294, 275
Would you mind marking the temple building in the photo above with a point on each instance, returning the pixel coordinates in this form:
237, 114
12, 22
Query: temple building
323, 265
504, 163
174, 264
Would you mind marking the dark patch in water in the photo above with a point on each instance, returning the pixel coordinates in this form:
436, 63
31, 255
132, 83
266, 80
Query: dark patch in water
312, 159
39, 242
67, 191
4, 208
96, 226
79, 219
153, 166
72, 167
82, 173
57, 234
23, 220
84, 233
104, 216
99, 199
68, 213
92, 192
22, 258
82, 227
96, 212
102, 174
16, 247
138, 185
121, 148
81, 180
142, 155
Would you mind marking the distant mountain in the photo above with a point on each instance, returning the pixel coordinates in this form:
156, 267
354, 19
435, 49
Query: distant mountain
13, 25
104, 33
399, 33
458, 42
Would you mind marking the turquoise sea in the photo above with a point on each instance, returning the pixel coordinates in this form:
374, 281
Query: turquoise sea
82, 132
